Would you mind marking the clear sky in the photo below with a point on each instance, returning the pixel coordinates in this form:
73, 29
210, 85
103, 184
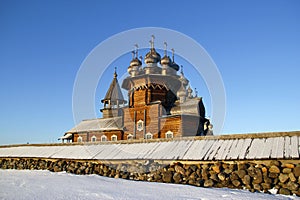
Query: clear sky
255, 44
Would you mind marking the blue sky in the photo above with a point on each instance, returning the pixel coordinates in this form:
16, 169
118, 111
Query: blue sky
255, 44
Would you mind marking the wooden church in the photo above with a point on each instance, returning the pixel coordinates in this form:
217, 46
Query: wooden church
160, 104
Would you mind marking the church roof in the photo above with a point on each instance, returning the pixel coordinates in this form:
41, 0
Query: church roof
101, 124
114, 92
192, 106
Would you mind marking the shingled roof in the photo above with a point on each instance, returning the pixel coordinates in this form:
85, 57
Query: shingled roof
192, 106
98, 125
114, 92
280, 145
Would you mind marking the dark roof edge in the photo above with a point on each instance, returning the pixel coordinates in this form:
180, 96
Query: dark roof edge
218, 137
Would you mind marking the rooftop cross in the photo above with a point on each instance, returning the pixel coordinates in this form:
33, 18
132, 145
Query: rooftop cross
173, 52
181, 69
166, 45
133, 54
136, 50
152, 41
115, 73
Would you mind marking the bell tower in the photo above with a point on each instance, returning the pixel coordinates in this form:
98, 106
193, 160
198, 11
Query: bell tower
113, 99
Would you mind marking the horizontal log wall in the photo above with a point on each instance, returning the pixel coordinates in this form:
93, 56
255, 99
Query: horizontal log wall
258, 162
279, 176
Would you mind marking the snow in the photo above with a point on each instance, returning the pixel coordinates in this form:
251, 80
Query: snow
39, 184
190, 149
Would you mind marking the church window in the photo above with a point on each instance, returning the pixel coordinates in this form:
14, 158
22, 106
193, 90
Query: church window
79, 139
103, 138
169, 134
149, 136
94, 139
129, 137
114, 138
140, 125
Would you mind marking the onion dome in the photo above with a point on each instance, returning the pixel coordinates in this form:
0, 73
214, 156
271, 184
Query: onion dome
166, 60
182, 91
174, 66
152, 56
135, 63
190, 92
182, 78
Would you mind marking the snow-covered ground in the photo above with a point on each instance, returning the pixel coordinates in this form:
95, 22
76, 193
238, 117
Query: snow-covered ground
26, 184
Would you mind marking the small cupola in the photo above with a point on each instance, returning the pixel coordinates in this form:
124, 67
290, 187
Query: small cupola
190, 92
174, 65
182, 78
152, 57
135, 63
165, 62
182, 93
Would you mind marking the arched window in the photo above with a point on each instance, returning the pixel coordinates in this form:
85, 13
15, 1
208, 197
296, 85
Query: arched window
149, 136
169, 134
79, 139
140, 125
130, 137
94, 139
103, 138
114, 138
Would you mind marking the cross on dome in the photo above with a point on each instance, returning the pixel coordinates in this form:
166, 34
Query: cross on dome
115, 73
152, 41
166, 45
173, 52
136, 50
133, 54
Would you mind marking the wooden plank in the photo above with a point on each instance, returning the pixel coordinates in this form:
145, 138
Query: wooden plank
222, 150
170, 153
274, 148
123, 151
256, 146
244, 148
295, 146
133, 151
215, 150
115, 153
146, 150
261, 148
233, 152
182, 151
194, 151
227, 149
160, 150
287, 147
280, 148
107, 151
195, 147
98, 150
266, 152
211, 148
207, 144
150, 152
